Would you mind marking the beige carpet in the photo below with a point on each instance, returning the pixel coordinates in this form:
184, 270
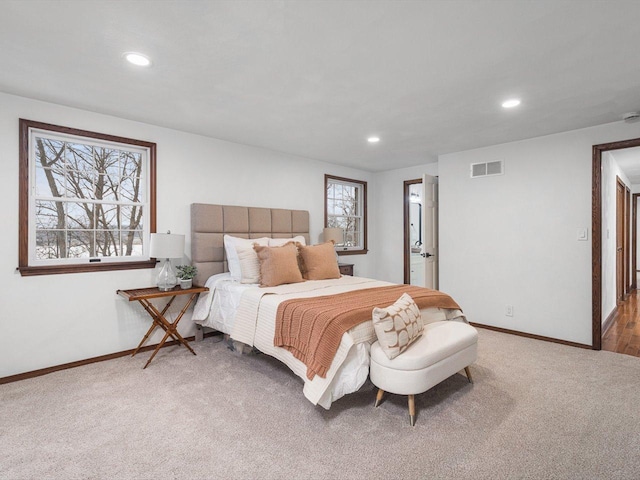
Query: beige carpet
537, 410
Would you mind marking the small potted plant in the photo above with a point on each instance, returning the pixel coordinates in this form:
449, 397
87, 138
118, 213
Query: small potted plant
186, 274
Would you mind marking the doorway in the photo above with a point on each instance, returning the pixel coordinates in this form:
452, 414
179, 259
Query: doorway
597, 237
621, 330
413, 265
421, 232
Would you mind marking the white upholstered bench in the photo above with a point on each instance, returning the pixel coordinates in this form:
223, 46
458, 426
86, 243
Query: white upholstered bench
443, 349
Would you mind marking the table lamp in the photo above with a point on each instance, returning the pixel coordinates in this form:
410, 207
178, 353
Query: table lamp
333, 233
166, 245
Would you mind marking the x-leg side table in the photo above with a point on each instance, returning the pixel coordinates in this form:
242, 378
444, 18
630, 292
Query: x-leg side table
144, 296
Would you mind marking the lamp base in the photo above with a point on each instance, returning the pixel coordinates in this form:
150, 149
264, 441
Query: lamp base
166, 278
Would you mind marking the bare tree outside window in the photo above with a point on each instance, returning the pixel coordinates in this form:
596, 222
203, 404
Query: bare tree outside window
88, 201
345, 208
89, 198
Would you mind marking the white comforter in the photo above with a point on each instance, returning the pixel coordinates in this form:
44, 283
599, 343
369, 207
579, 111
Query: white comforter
254, 325
217, 308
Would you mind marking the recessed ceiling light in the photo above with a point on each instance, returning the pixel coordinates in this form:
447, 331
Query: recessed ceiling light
137, 59
373, 139
513, 102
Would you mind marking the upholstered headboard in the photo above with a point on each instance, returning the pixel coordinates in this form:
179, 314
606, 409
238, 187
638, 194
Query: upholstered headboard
209, 224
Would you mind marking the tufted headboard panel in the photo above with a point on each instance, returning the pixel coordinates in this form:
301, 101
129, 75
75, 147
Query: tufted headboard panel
209, 224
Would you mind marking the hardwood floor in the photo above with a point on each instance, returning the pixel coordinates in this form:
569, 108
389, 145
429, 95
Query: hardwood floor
624, 334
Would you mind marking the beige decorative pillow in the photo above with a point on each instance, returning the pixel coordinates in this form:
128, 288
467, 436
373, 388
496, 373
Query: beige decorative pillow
249, 264
231, 245
319, 262
397, 326
278, 265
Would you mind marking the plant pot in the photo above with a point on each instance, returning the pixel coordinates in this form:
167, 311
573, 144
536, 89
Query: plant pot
184, 284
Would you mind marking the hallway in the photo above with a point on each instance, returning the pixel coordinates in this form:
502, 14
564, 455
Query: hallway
624, 334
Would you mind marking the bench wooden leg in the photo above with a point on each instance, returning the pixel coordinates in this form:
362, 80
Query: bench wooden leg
468, 372
412, 410
379, 397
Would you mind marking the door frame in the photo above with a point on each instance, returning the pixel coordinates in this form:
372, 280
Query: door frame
596, 237
406, 248
634, 240
626, 243
620, 236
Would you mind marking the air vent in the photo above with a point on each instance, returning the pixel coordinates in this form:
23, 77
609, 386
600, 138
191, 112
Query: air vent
487, 169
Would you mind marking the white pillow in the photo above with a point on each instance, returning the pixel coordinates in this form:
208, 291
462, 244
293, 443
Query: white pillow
278, 242
249, 264
233, 262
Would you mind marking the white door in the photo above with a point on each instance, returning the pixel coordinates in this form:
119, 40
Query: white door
430, 230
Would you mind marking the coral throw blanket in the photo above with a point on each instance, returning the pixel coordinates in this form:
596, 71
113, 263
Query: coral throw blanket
311, 328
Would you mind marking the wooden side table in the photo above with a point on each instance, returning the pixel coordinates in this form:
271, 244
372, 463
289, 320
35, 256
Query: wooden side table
346, 268
144, 296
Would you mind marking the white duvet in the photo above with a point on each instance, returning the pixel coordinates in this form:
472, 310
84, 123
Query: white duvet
217, 308
248, 314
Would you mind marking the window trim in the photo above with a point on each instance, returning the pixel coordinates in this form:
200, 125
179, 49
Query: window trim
23, 202
364, 249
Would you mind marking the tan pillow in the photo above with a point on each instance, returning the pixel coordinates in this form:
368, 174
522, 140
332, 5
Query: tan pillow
319, 262
397, 326
278, 265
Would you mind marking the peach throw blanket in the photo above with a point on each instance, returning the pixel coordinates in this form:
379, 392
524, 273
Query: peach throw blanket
311, 328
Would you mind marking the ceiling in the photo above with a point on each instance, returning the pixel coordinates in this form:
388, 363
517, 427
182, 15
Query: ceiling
316, 78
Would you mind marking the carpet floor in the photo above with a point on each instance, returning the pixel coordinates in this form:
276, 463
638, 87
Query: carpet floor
536, 410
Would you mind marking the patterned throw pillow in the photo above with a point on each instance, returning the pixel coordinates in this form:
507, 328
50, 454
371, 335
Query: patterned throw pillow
397, 326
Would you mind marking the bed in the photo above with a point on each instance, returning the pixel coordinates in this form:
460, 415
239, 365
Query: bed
246, 312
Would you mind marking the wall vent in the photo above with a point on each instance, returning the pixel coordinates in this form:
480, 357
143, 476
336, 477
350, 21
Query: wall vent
487, 169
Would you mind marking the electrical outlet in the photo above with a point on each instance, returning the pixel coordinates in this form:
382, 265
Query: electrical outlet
508, 310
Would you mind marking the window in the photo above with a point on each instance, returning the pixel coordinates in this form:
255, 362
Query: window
87, 200
346, 208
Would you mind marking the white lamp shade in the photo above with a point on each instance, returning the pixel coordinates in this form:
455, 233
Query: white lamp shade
166, 245
335, 234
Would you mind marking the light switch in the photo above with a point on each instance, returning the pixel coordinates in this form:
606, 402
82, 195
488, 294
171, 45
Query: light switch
582, 234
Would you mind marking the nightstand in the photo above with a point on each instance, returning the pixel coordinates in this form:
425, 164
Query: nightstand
144, 295
346, 268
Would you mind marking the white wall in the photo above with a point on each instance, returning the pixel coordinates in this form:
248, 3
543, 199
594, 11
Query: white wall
389, 215
52, 320
610, 170
508, 239
511, 239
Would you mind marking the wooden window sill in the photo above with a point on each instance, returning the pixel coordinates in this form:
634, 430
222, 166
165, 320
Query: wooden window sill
27, 271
